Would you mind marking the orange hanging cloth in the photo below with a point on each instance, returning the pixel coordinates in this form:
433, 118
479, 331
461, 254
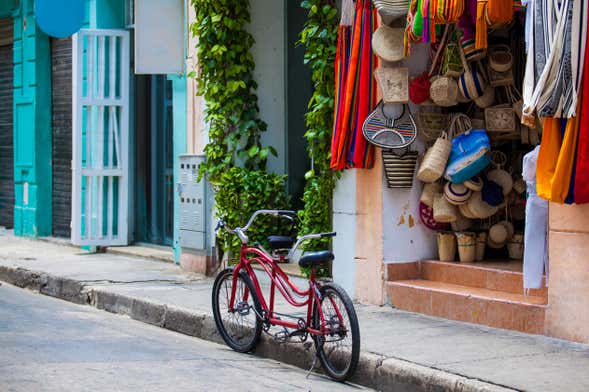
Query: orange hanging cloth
566, 160
548, 157
491, 12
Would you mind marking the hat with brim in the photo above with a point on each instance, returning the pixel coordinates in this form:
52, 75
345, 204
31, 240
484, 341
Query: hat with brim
387, 43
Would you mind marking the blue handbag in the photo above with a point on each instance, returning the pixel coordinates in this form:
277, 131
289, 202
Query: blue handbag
469, 155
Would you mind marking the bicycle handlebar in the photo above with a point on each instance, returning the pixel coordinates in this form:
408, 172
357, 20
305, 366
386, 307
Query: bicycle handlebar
240, 231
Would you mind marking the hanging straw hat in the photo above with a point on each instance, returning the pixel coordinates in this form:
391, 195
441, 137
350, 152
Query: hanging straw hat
456, 193
466, 212
387, 43
474, 184
479, 208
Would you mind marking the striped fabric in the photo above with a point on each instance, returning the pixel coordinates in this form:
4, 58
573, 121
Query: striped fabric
355, 92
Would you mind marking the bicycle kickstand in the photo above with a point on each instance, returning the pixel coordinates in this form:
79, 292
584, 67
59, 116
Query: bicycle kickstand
313, 365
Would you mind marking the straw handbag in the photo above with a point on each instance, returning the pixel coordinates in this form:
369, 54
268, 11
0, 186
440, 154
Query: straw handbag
444, 212
434, 162
471, 83
393, 84
399, 168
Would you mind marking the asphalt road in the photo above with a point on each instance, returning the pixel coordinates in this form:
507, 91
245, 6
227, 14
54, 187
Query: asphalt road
51, 345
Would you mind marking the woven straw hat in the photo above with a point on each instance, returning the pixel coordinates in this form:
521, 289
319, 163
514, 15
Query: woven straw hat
466, 212
387, 43
479, 208
502, 178
474, 184
456, 193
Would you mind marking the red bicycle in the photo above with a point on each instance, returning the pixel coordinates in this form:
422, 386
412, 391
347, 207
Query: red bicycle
241, 312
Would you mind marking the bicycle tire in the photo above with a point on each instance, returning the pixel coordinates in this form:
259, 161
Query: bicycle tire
329, 365
225, 330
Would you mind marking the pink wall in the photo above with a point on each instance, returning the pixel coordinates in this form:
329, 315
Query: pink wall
567, 316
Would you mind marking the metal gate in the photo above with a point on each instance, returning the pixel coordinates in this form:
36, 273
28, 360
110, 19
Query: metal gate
61, 129
100, 180
6, 126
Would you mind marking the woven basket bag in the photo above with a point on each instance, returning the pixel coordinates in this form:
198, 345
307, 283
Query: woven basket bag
434, 162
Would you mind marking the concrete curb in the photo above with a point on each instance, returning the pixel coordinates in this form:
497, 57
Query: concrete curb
374, 371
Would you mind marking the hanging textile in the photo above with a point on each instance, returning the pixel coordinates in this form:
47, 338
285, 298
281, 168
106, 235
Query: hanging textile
581, 191
342, 59
536, 229
357, 94
551, 22
564, 165
548, 156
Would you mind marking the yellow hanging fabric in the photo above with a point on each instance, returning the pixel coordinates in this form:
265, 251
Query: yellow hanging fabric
481, 26
548, 157
566, 161
491, 12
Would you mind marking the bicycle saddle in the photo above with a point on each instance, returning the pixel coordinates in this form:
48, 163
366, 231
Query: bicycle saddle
312, 259
280, 242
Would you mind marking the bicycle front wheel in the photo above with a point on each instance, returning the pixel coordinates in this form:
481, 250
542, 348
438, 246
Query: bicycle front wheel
239, 327
339, 349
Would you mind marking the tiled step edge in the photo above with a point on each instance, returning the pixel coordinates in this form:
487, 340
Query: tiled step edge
468, 304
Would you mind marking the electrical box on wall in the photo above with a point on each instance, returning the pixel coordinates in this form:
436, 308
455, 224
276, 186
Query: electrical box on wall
193, 204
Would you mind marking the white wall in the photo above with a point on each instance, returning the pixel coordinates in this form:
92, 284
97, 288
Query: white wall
268, 29
405, 237
344, 223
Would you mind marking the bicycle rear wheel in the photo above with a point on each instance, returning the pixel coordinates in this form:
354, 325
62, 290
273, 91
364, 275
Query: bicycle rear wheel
241, 327
338, 350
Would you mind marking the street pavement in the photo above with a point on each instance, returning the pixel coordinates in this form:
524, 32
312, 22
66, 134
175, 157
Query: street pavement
399, 350
51, 345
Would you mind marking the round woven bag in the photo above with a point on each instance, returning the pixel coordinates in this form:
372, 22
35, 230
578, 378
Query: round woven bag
444, 212
443, 91
434, 162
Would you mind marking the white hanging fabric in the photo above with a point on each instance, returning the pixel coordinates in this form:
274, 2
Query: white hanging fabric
550, 19
536, 230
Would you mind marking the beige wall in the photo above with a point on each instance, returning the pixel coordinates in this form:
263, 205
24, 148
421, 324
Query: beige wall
567, 316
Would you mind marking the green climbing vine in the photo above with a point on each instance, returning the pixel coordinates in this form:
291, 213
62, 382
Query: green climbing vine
319, 36
236, 159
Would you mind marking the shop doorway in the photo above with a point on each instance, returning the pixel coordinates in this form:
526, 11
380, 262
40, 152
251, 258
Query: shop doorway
61, 132
154, 179
6, 125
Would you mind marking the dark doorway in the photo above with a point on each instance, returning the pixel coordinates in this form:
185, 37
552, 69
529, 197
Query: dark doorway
6, 126
61, 128
154, 179
299, 90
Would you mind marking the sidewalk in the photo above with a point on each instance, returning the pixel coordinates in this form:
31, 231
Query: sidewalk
400, 351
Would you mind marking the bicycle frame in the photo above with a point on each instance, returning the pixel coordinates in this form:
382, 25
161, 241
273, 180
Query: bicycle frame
281, 282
